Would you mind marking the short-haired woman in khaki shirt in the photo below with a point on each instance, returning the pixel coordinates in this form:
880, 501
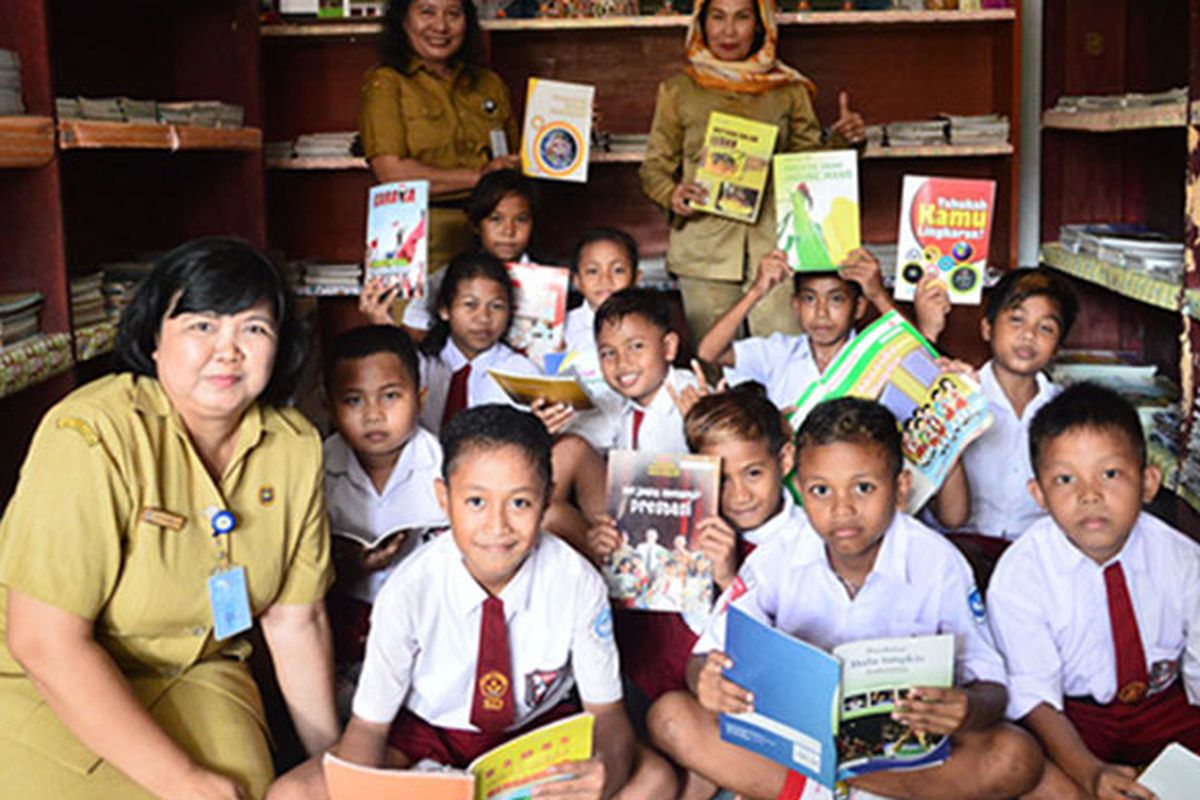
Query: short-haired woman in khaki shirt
119, 677
431, 111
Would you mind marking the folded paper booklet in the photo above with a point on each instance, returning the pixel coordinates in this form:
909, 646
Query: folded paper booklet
507, 772
816, 208
837, 722
524, 389
737, 160
939, 413
556, 137
658, 500
945, 230
398, 235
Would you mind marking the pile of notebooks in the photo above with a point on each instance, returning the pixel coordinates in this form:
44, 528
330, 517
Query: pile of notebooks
327, 145
19, 317
915, 133
1117, 102
979, 130
1129, 245
87, 300
331, 279
11, 103
985, 129
121, 279
201, 113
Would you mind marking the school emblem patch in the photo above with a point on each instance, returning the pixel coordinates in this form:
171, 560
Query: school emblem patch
493, 687
602, 626
266, 495
539, 683
1162, 675
975, 602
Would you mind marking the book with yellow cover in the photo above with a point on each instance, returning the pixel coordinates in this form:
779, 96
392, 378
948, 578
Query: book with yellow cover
817, 213
736, 162
524, 389
507, 772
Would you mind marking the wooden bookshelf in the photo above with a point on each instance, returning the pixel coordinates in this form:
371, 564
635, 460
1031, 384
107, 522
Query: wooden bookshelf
940, 151
192, 137
26, 141
1129, 283
1126, 119
79, 134
348, 29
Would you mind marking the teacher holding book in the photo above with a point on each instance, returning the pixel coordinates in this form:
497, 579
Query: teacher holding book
732, 68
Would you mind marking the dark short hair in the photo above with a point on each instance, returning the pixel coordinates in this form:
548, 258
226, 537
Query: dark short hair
650, 304
396, 52
368, 340
854, 421
1085, 405
222, 276
490, 427
760, 31
799, 279
493, 188
618, 237
742, 413
464, 268
1018, 285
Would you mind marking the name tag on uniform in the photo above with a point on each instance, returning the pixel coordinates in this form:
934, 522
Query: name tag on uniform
163, 518
230, 602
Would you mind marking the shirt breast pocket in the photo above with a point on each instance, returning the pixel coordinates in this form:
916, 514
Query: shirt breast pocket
425, 127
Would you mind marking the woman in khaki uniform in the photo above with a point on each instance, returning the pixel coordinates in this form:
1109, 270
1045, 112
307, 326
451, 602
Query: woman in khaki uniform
118, 677
733, 69
431, 110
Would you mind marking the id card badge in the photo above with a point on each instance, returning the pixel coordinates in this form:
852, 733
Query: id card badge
230, 602
499, 142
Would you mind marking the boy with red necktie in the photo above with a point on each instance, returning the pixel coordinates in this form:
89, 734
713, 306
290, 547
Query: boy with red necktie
1097, 608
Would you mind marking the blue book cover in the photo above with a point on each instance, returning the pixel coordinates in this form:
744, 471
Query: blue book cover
836, 721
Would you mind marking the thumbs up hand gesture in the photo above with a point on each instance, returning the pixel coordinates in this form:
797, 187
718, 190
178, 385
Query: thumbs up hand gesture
849, 124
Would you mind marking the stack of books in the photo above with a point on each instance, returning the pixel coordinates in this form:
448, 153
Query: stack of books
278, 151
1116, 102
876, 135
326, 145
201, 113
916, 133
11, 103
19, 317
331, 279
1129, 245
121, 279
87, 300
985, 129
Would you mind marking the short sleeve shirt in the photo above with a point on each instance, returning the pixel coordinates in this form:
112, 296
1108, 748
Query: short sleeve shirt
782, 363
920, 586
424, 640
437, 372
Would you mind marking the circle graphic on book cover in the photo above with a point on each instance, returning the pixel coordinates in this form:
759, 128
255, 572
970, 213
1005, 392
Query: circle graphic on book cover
962, 251
912, 273
963, 279
558, 148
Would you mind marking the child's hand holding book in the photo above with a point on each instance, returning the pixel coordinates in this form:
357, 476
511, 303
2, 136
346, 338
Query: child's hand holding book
583, 780
929, 709
717, 693
376, 299
718, 542
555, 416
603, 538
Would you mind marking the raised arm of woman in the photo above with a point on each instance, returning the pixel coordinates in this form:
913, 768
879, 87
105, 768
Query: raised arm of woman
87, 692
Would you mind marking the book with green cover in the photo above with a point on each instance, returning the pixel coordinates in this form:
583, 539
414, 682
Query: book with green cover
736, 161
816, 208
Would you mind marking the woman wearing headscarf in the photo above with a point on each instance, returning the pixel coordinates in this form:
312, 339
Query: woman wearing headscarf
732, 68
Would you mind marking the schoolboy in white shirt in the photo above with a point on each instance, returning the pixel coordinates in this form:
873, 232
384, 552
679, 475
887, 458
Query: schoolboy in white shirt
826, 305
485, 632
859, 568
1096, 607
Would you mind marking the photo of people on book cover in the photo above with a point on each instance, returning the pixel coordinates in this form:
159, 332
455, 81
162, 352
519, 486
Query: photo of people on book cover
657, 501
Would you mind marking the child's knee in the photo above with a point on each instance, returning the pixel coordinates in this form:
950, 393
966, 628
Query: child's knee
1014, 761
672, 722
653, 777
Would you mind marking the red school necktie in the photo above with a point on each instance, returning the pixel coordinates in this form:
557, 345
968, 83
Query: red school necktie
638, 417
456, 398
492, 708
1131, 658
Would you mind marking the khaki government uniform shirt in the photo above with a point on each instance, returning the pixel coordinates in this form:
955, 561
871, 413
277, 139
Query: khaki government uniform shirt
443, 124
705, 245
75, 536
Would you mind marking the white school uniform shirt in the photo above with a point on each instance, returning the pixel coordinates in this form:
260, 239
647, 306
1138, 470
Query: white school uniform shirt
1049, 614
424, 640
782, 363
662, 425
997, 463
789, 518
598, 425
436, 373
407, 501
419, 313
920, 585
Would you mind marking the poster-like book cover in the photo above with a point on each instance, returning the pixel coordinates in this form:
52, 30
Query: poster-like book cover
556, 136
945, 230
737, 160
540, 317
398, 235
816, 208
658, 500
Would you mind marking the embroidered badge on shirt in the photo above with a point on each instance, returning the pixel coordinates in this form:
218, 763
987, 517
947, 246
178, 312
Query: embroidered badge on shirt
975, 601
539, 683
494, 687
602, 626
82, 428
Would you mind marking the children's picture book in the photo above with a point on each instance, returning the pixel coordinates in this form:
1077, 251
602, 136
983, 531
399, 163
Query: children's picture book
945, 229
524, 389
816, 208
658, 500
1174, 774
540, 317
398, 235
836, 723
556, 137
737, 158
506, 772
939, 412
